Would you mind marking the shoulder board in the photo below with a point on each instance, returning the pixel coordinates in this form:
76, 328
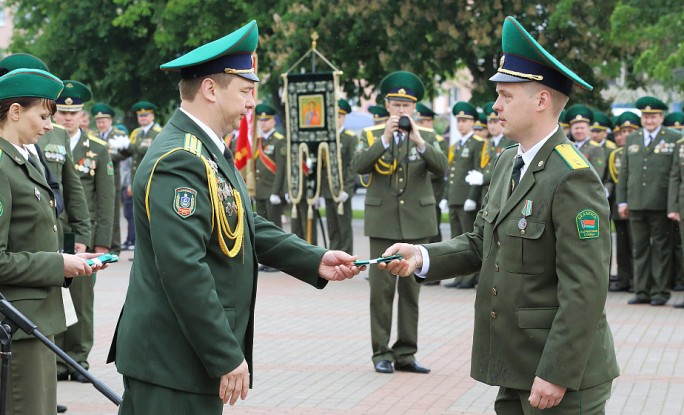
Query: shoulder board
278, 135
349, 132
477, 137
60, 126
611, 145
156, 128
618, 150
439, 137
192, 145
375, 127
681, 140
431, 130
96, 139
571, 156
593, 143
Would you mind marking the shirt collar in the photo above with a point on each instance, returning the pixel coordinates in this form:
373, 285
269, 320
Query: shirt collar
208, 131
653, 134
466, 137
497, 139
147, 127
22, 150
266, 136
74, 139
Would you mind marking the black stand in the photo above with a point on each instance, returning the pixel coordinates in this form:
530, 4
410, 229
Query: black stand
15, 319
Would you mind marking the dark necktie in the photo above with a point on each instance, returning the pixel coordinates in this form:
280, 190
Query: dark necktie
35, 164
517, 168
649, 140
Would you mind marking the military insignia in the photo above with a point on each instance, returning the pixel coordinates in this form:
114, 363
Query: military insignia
68, 101
587, 224
413, 154
184, 201
110, 169
633, 149
465, 152
90, 154
36, 192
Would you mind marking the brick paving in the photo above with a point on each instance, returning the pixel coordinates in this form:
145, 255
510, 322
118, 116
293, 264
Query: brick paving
313, 354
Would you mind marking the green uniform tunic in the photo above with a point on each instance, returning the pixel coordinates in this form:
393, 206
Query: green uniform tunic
116, 157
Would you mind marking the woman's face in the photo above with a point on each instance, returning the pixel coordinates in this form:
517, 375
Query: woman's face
33, 122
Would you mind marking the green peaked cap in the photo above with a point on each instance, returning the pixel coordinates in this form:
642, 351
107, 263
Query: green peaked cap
579, 113
343, 106
561, 119
33, 83
144, 107
601, 122
424, 111
628, 119
650, 105
464, 110
21, 60
674, 120
264, 112
230, 54
525, 60
102, 110
402, 86
488, 110
379, 113
74, 95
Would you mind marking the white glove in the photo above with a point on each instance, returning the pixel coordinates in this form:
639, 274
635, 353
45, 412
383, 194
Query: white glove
469, 205
287, 198
474, 178
444, 205
344, 196
275, 200
119, 142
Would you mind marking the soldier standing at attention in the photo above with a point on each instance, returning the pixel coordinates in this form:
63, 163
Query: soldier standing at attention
95, 169
141, 138
400, 206
542, 243
465, 155
642, 197
580, 117
339, 222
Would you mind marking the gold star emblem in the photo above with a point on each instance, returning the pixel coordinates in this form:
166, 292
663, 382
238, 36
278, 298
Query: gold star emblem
402, 91
648, 108
68, 101
69, 85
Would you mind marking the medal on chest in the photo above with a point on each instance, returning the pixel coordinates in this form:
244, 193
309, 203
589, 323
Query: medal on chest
526, 211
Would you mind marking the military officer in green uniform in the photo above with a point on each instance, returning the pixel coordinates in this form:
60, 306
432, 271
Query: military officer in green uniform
270, 163
141, 138
185, 336
580, 117
627, 122
32, 272
338, 212
116, 139
480, 126
380, 114
542, 243
675, 200
642, 197
94, 167
399, 206
675, 121
465, 155
426, 118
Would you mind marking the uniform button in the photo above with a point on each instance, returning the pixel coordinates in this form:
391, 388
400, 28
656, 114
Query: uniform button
451, 182
401, 202
52, 203
485, 213
492, 314
258, 170
401, 169
496, 267
645, 167
401, 180
493, 291
54, 228
522, 231
498, 244
643, 184
451, 175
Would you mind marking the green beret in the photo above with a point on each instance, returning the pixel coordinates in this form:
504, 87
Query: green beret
379, 113
524, 60
230, 54
264, 112
628, 119
144, 107
674, 120
579, 113
74, 95
424, 112
601, 122
101, 110
402, 86
21, 60
562, 119
464, 110
650, 105
488, 110
33, 83
343, 106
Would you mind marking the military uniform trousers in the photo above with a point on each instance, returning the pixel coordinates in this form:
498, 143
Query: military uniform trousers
590, 401
383, 285
77, 341
271, 212
652, 260
677, 261
299, 224
340, 226
462, 222
115, 246
144, 398
31, 375
623, 248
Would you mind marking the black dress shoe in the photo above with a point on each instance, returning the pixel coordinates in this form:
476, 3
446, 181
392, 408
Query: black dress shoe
77, 377
637, 300
414, 367
384, 366
658, 301
61, 409
465, 286
678, 287
678, 305
62, 376
617, 287
453, 284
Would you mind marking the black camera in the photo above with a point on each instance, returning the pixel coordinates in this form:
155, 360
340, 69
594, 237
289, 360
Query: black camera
405, 123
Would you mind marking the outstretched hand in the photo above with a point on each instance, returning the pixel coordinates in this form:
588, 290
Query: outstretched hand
338, 266
407, 264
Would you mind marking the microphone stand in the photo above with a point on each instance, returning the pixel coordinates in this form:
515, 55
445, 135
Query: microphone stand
14, 319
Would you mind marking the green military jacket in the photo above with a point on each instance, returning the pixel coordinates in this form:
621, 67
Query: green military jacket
57, 152
462, 159
31, 270
608, 148
539, 308
399, 200
96, 171
594, 153
645, 172
675, 194
189, 312
613, 173
270, 165
493, 151
348, 142
438, 180
140, 142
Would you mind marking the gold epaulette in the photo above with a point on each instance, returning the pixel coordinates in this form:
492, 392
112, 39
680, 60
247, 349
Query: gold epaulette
97, 139
571, 156
610, 145
593, 143
349, 132
192, 145
439, 138
60, 126
156, 128
681, 140
477, 137
134, 135
278, 135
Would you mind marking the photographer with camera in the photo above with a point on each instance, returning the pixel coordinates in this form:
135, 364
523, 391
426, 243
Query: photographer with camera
400, 206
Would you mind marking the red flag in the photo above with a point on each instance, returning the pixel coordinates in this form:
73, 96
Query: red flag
243, 150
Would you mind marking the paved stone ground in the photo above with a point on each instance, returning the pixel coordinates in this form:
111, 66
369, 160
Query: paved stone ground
313, 354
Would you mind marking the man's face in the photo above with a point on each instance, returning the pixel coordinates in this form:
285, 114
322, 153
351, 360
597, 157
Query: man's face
103, 124
494, 126
341, 118
85, 120
464, 125
579, 130
400, 108
145, 119
70, 120
266, 125
234, 102
514, 105
651, 121
598, 135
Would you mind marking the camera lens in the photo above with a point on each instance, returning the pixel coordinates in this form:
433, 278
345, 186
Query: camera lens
405, 123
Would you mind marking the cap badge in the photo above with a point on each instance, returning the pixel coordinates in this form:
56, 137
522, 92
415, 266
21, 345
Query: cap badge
68, 101
401, 91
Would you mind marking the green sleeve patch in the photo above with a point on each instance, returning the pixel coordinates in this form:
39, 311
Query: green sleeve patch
587, 224
185, 201
110, 169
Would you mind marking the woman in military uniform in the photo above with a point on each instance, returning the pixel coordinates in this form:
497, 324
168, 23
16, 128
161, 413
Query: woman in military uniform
31, 270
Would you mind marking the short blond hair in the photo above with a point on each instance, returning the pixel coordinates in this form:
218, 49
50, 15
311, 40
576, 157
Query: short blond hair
189, 87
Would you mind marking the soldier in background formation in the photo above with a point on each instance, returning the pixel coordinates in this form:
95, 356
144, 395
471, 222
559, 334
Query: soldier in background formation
493, 146
141, 137
380, 114
580, 117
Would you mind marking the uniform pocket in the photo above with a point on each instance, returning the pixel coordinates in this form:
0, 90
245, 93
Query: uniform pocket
373, 201
524, 250
536, 317
489, 215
